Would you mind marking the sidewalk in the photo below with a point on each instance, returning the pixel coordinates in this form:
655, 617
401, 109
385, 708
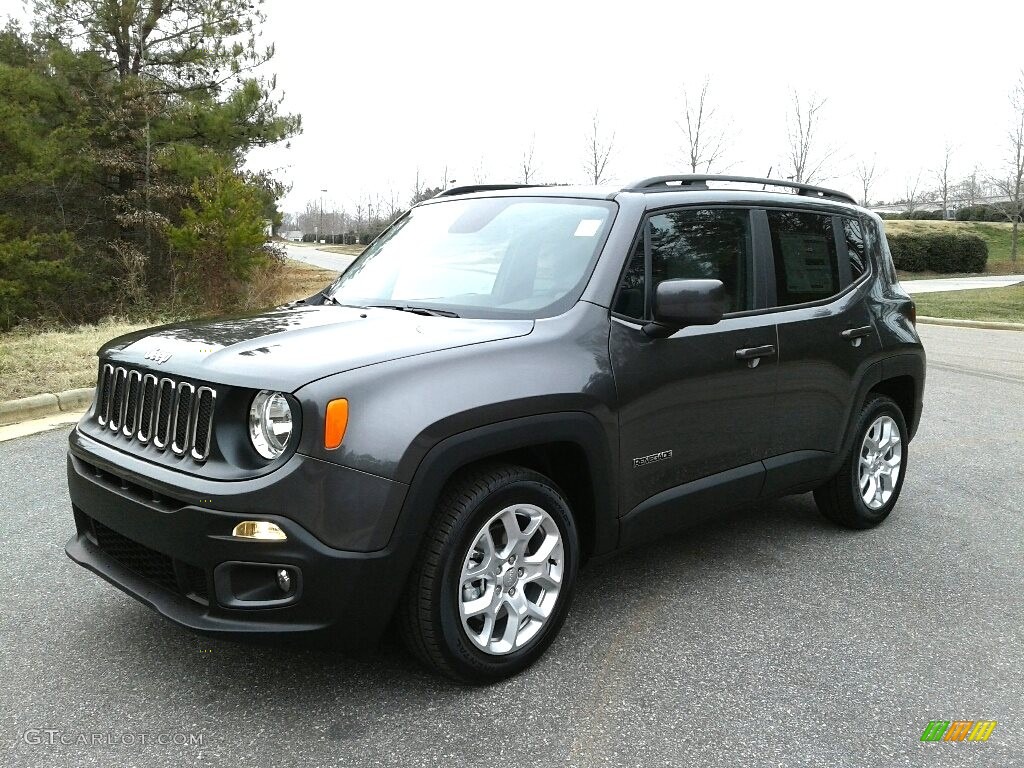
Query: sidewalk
960, 283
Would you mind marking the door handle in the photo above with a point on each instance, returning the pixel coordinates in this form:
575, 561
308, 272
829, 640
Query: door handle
856, 333
753, 355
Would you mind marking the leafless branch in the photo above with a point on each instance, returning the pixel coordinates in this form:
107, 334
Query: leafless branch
807, 162
599, 150
707, 137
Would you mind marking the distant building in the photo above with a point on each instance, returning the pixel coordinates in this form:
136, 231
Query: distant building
294, 235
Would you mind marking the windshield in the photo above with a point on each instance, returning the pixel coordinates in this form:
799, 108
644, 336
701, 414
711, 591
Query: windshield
483, 257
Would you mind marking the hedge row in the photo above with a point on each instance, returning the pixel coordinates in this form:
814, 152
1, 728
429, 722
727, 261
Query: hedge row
980, 213
918, 252
915, 216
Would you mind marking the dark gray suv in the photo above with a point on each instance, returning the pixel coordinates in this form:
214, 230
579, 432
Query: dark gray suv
508, 382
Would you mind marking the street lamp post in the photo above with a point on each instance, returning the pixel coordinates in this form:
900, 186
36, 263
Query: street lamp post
322, 191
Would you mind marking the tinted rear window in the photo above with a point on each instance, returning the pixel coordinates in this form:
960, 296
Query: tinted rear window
806, 266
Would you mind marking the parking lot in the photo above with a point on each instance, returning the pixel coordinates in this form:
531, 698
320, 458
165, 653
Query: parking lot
766, 638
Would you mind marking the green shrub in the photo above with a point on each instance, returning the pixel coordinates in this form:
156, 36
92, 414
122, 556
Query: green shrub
937, 252
980, 213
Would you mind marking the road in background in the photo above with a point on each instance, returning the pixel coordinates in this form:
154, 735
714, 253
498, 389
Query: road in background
767, 638
960, 283
336, 262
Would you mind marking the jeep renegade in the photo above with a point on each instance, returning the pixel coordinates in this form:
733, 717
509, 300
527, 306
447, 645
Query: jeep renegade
507, 382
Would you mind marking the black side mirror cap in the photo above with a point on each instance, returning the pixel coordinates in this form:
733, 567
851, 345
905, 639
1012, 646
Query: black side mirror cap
680, 303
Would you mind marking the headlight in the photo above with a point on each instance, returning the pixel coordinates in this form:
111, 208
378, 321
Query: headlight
270, 423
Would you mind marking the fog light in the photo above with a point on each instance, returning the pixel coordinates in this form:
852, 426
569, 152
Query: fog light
259, 529
284, 580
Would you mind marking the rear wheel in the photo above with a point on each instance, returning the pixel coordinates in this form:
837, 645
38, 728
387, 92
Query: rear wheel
865, 489
495, 576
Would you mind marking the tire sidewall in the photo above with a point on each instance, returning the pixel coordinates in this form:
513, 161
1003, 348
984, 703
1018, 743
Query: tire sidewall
461, 651
879, 407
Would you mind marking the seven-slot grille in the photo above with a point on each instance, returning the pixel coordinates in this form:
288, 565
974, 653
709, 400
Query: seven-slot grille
147, 408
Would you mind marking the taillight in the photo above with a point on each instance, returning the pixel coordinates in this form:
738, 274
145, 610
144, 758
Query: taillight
910, 310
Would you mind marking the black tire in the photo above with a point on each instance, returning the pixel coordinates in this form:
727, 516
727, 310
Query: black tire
429, 618
840, 498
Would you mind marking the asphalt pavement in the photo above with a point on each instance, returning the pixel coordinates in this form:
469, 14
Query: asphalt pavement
335, 262
768, 638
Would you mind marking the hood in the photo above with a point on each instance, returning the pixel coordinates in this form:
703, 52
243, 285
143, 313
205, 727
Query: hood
286, 348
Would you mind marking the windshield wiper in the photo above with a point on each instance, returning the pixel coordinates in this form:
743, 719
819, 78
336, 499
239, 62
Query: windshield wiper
416, 310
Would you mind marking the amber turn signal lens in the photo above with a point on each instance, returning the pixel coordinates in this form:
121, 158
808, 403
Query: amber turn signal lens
335, 423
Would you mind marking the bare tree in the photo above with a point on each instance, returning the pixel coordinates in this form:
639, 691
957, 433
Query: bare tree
969, 190
417, 189
1011, 183
526, 165
912, 192
942, 180
391, 206
599, 150
480, 171
866, 174
706, 135
807, 161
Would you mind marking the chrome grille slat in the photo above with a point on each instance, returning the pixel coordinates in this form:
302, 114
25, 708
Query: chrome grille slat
131, 403
147, 406
116, 417
163, 411
104, 394
206, 399
182, 420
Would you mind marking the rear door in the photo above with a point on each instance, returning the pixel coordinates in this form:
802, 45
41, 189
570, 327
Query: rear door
819, 283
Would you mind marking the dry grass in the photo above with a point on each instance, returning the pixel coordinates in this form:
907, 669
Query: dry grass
34, 360
299, 280
346, 250
50, 359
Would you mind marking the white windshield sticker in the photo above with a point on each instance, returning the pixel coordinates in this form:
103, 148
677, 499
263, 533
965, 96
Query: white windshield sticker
588, 227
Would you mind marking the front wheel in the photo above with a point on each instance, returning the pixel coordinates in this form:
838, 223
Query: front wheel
865, 489
495, 576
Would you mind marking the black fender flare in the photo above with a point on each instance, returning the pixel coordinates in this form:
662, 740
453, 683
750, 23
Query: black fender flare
454, 452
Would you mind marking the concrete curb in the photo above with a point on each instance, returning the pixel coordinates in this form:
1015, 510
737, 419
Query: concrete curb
46, 404
991, 325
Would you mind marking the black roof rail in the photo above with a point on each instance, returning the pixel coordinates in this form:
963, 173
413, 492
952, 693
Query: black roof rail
465, 190
698, 181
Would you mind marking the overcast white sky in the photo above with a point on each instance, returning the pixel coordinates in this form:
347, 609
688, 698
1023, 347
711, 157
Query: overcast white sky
386, 87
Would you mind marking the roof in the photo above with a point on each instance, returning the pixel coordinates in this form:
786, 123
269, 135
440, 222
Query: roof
683, 186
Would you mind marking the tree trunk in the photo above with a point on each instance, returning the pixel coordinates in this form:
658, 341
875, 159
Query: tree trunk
1013, 240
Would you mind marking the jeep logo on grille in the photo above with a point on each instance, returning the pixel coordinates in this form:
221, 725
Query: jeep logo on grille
158, 356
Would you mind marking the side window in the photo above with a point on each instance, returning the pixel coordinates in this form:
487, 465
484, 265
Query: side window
806, 265
630, 298
693, 243
855, 248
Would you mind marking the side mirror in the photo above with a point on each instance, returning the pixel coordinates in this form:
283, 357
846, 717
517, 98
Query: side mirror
679, 303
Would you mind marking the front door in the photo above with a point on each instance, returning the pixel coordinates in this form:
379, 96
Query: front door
694, 408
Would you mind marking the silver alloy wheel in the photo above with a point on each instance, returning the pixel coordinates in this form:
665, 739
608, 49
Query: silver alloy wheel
881, 459
511, 578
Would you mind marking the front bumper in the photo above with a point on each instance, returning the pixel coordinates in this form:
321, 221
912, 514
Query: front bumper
179, 558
